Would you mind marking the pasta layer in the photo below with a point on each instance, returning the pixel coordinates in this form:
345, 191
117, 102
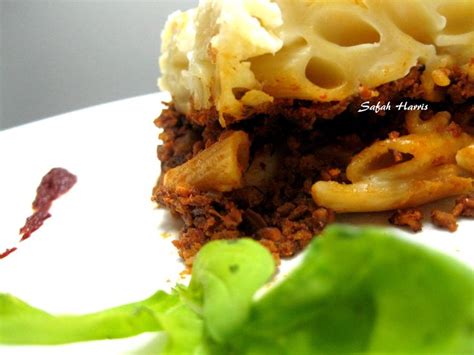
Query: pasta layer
235, 56
406, 171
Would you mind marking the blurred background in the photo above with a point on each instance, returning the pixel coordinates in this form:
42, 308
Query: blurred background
62, 55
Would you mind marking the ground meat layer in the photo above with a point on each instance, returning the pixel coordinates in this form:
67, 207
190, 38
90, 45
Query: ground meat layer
312, 141
304, 113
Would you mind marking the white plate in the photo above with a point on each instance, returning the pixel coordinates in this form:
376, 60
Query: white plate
106, 244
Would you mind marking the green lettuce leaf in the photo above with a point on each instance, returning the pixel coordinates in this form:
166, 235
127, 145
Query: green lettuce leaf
226, 275
363, 290
357, 290
183, 329
23, 324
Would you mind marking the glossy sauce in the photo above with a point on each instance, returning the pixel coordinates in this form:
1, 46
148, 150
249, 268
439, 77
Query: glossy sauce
54, 184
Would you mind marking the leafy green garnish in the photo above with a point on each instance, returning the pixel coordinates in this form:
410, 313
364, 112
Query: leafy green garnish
356, 290
184, 330
226, 275
362, 290
21, 323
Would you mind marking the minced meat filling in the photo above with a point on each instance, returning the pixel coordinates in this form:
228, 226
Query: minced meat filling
281, 213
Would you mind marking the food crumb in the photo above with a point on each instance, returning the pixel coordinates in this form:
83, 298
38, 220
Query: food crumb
464, 206
165, 235
185, 273
410, 217
444, 220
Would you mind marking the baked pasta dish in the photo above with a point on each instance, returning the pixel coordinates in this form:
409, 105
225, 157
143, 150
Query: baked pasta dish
285, 113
